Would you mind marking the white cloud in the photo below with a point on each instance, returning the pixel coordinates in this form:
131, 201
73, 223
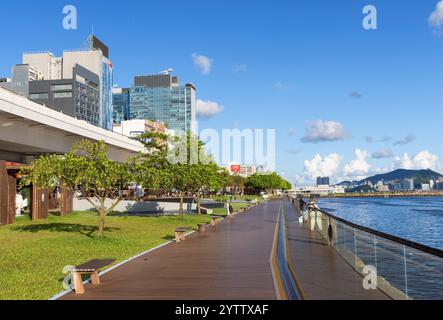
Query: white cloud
436, 17
422, 160
203, 63
320, 131
318, 166
207, 109
358, 168
383, 153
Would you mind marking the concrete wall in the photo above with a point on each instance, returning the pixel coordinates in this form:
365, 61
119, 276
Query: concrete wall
134, 206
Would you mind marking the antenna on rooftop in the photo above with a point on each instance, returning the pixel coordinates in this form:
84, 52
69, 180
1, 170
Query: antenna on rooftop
167, 71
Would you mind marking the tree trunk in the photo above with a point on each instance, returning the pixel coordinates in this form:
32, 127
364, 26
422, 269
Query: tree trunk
101, 225
181, 206
101, 217
199, 203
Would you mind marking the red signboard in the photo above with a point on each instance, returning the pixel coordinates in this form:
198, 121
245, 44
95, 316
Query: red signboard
235, 168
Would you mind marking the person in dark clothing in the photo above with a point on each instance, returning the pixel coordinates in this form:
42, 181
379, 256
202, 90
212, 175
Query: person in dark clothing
302, 204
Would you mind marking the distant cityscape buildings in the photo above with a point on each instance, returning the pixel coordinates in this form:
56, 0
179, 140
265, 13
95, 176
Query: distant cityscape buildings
323, 181
79, 83
402, 185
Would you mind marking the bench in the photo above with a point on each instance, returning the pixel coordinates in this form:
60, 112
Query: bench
180, 233
91, 268
214, 220
202, 227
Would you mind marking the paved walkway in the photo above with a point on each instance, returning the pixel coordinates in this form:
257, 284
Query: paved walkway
229, 262
321, 273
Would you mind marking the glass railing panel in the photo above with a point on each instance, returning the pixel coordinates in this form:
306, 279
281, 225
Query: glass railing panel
424, 273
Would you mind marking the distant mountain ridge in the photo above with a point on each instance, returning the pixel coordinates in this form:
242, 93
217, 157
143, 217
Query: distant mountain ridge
420, 176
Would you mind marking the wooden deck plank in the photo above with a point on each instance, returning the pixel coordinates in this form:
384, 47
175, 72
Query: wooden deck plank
320, 271
230, 261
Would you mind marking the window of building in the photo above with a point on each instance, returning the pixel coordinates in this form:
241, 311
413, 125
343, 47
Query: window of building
62, 95
37, 96
61, 87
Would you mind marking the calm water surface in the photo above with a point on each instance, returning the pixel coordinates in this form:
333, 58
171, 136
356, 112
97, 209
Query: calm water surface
419, 219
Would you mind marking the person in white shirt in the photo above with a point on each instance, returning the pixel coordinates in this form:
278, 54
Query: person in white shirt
18, 204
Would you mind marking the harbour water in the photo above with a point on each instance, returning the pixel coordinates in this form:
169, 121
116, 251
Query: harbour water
418, 219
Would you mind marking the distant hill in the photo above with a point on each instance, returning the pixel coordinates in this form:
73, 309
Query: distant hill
420, 176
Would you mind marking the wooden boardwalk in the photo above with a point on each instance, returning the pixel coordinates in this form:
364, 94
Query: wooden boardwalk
232, 262
229, 262
320, 271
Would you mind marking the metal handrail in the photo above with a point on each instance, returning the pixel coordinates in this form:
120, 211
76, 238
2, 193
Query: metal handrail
409, 243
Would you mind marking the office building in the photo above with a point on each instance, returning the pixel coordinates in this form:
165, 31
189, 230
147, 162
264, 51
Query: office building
22, 74
78, 96
396, 186
162, 98
120, 105
94, 58
381, 188
407, 185
49, 65
322, 190
323, 181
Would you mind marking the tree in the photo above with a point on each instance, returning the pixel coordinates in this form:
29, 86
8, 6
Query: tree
85, 168
210, 177
267, 182
236, 182
180, 164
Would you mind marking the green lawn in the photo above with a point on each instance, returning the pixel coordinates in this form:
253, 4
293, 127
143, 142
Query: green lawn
33, 253
225, 198
237, 206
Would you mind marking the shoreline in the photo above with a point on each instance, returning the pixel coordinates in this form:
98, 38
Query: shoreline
384, 195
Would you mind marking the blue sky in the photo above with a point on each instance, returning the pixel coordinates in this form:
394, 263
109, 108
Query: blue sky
289, 65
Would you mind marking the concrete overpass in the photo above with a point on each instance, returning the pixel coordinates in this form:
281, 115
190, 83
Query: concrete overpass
28, 128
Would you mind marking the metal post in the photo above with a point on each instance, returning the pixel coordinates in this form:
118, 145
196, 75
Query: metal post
355, 249
406, 272
375, 253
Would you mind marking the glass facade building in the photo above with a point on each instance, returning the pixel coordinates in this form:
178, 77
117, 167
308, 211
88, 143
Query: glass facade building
120, 102
106, 94
154, 98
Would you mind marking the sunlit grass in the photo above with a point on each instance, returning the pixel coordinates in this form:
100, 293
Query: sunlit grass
33, 253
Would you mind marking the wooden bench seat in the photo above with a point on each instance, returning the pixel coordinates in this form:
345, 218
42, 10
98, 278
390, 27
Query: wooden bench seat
91, 268
202, 227
214, 219
180, 233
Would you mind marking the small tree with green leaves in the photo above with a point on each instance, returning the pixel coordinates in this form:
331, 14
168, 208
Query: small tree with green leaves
267, 182
85, 168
